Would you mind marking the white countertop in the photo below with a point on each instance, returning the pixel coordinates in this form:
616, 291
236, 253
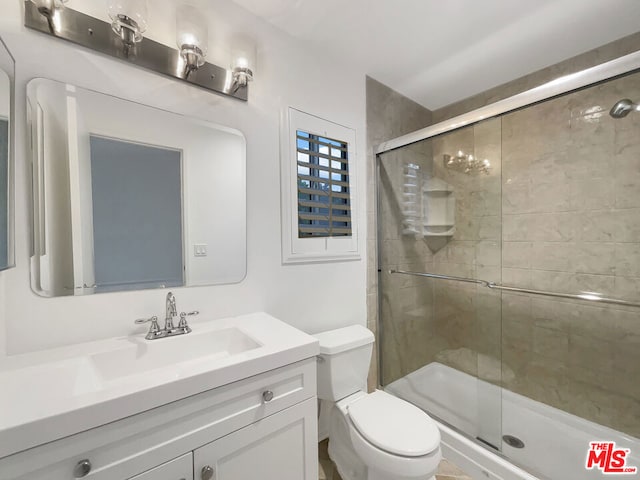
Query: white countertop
51, 394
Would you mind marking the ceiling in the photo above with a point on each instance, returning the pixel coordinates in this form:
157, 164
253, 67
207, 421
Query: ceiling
440, 51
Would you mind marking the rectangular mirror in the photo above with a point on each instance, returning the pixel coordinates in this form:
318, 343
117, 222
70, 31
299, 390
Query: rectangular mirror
6, 162
130, 197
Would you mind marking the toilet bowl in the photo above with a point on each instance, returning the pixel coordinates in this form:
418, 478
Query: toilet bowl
372, 436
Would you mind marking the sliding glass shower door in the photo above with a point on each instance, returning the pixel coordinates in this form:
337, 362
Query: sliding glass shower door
440, 218
509, 255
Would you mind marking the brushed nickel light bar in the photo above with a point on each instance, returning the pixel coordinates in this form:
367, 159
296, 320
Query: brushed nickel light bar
187, 65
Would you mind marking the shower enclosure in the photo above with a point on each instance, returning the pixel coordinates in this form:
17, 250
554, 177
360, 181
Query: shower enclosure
509, 284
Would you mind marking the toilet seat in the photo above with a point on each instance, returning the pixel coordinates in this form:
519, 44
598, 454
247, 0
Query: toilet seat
393, 425
395, 466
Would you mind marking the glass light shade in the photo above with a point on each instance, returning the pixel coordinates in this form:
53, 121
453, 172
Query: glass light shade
191, 29
129, 15
243, 59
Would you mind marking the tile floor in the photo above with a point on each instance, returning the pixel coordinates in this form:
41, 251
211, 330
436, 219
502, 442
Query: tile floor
328, 471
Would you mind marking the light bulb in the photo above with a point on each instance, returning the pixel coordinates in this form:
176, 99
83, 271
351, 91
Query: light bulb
192, 37
191, 28
243, 60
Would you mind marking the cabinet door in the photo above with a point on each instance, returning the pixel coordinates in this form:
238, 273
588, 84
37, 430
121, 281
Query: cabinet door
179, 469
283, 446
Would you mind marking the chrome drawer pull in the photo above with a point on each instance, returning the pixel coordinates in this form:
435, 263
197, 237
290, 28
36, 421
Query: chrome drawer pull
82, 468
206, 473
267, 396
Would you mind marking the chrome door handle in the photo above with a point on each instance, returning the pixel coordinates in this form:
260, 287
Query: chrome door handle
267, 396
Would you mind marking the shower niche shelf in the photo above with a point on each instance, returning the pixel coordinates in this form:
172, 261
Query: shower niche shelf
438, 208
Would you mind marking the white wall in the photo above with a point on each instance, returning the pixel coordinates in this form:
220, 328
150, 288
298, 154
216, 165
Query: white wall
287, 74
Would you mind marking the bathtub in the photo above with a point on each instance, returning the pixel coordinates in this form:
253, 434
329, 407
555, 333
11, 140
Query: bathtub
555, 442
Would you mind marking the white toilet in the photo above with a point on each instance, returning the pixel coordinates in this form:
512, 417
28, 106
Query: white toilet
372, 436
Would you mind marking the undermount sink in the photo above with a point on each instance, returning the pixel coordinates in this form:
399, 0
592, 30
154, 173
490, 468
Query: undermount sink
159, 354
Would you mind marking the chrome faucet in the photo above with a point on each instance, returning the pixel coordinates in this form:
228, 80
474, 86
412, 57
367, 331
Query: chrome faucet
169, 329
171, 311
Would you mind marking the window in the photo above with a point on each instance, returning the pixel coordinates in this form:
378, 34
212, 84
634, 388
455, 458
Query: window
324, 202
318, 194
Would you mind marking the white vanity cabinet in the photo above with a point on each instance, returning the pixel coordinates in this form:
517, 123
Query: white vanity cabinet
264, 426
275, 448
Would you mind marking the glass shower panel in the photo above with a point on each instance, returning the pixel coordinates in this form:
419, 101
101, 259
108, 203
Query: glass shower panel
571, 224
440, 214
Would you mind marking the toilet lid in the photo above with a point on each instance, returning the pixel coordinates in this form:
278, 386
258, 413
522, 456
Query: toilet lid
394, 425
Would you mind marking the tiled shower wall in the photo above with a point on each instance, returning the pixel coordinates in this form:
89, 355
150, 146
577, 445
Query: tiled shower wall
571, 223
389, 115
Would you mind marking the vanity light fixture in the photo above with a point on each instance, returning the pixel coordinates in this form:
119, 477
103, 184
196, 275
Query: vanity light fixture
466, 163
243, 61
192, 37
129, 22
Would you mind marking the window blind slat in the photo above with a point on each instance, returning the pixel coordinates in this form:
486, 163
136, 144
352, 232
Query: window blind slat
333, 206
324, 193
324, 144
324, 217
309, 229
311, 178
311, 153
323, 168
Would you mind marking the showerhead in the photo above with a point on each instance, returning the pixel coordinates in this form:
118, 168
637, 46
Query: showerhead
622, 108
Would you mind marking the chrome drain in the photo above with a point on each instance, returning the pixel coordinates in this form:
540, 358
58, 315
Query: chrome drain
512, 441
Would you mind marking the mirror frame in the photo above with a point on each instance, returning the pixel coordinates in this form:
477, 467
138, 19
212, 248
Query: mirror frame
8, 66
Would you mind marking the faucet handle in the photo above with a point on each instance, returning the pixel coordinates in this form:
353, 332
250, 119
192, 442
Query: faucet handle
183, 318
153, 329
140, 321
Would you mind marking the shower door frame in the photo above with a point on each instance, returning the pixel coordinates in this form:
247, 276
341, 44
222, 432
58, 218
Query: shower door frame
562, 85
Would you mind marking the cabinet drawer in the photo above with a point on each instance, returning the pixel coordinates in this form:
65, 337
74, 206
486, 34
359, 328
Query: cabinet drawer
136, 444
179, 469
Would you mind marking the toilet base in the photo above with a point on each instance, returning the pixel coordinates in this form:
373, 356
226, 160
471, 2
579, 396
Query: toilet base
350, 467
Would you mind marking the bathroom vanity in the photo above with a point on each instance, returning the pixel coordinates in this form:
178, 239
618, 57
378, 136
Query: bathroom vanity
235, 399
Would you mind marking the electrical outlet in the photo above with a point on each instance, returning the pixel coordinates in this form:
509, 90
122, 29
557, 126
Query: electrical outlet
200, 250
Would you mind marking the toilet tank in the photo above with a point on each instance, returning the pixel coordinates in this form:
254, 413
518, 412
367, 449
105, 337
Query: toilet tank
343, 364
